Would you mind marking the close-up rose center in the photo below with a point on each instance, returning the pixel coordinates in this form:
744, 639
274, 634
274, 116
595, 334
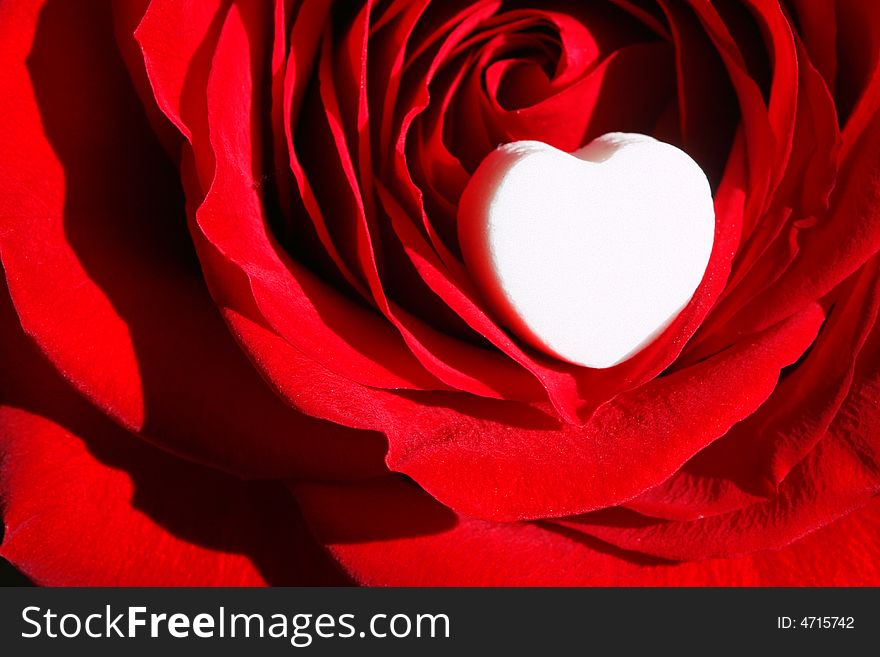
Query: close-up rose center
544, 214
401, 127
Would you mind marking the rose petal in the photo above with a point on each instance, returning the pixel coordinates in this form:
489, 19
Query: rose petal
506, 463
292, 299
101, 270
817, 26
857, 88
839, 474
109, 510
502, 460
801, 201
347, 197
86, 503
388, 533
834, 248
746, 465
74, 484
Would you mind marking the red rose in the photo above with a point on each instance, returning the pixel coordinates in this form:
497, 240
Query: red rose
240, 346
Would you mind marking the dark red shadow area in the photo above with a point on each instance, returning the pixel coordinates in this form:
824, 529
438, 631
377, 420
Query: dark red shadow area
124, 217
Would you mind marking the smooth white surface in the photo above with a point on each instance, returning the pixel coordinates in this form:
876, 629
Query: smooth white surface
588, 256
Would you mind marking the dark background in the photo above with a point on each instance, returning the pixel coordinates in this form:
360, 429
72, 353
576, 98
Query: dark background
9, 576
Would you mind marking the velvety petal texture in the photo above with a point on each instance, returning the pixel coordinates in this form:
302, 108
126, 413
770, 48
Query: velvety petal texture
241, 346
388, 533
86, 503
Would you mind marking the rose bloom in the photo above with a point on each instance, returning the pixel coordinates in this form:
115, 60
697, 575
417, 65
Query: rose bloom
240, 346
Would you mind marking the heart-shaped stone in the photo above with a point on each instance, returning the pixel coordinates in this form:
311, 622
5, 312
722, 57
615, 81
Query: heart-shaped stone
588, 256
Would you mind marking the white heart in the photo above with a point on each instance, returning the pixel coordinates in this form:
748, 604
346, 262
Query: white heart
591, 255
